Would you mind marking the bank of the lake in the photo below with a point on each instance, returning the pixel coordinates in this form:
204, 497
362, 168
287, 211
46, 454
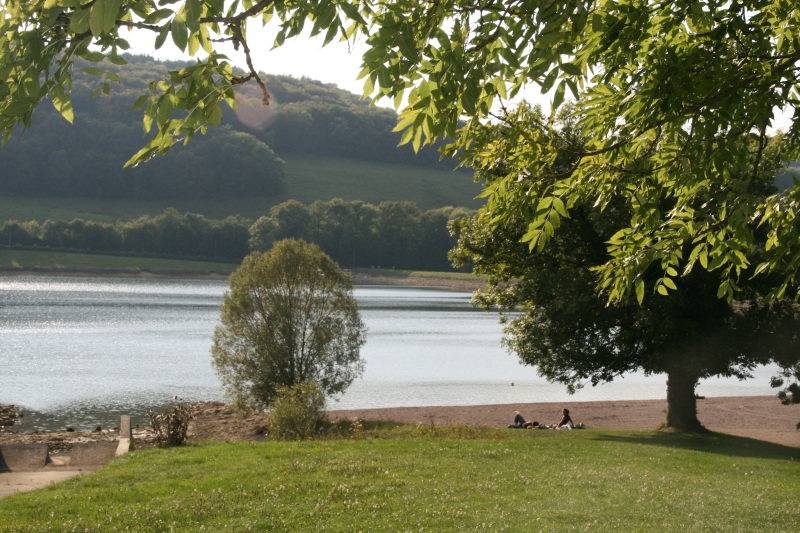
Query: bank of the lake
47, 263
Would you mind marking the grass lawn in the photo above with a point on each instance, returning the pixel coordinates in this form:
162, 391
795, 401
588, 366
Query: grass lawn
374, 182
433, 479
48, 261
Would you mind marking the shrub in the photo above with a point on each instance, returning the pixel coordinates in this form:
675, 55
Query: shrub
297, 411
172, 426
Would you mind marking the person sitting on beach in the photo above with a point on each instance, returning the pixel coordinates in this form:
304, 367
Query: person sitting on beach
520, 423
566, 421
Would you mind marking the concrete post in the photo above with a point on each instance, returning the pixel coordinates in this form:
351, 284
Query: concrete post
125, 435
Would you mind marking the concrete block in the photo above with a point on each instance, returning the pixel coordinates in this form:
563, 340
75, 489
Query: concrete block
17, 457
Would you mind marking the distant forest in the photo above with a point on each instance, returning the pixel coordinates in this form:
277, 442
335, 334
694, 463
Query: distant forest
240, 158
355, 234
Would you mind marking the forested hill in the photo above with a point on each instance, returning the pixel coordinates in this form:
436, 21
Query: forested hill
309, 133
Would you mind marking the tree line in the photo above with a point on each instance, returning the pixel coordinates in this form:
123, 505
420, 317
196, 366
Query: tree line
353, 233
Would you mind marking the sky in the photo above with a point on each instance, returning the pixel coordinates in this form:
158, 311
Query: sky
304, 56
338, 63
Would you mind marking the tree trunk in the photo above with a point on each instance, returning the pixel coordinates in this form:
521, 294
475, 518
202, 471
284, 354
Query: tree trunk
681, 401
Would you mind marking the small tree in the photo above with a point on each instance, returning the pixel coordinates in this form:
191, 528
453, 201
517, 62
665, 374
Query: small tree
296, 412
290, 317
171, 427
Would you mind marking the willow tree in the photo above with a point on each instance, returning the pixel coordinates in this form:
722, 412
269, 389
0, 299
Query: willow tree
289, 318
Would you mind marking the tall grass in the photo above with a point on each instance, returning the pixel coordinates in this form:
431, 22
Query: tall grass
58, 262
442, 479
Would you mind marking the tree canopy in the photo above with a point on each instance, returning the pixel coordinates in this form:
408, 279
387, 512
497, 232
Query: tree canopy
557, 321
289, 318
676, 100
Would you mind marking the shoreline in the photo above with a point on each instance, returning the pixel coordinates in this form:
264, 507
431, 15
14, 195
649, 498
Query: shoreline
750, 417
755, 417
759, 417
359, 278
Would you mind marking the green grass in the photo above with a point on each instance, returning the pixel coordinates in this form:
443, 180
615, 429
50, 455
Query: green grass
110, 210
49, 261
377, 182
394, 273
307, 179
17, 260
440, 479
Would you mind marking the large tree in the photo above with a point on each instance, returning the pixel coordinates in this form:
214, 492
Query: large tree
289, 318
559, 323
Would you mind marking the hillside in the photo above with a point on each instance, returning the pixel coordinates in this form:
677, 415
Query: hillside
313, 142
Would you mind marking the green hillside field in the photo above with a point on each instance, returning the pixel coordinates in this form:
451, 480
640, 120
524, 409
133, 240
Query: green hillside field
308, 178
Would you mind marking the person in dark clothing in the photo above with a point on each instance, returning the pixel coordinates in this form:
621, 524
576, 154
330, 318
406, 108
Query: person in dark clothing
566, 420
520, 423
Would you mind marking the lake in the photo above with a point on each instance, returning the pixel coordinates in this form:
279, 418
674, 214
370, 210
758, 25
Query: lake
80, 351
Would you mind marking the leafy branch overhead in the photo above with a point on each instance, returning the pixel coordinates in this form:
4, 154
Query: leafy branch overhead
675, 100
40, 41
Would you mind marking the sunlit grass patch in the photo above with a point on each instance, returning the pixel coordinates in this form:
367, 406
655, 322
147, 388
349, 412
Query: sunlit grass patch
402, 478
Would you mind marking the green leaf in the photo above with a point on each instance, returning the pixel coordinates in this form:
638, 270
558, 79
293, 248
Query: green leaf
117, 59
79, 23
180, 34
558, 205
161, 38
703, 257
571, 69
558, 98
103, 16
194, 43
140, 101
94, 57
62, 103
158, 16
549, 80
639, 290
215, 117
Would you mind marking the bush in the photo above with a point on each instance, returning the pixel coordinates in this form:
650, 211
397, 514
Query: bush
297, 411
172, 426
290, 317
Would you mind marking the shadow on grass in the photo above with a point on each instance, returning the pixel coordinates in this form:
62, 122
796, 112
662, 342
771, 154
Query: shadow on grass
710, 442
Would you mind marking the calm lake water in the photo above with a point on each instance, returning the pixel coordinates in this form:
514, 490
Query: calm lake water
80, 351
